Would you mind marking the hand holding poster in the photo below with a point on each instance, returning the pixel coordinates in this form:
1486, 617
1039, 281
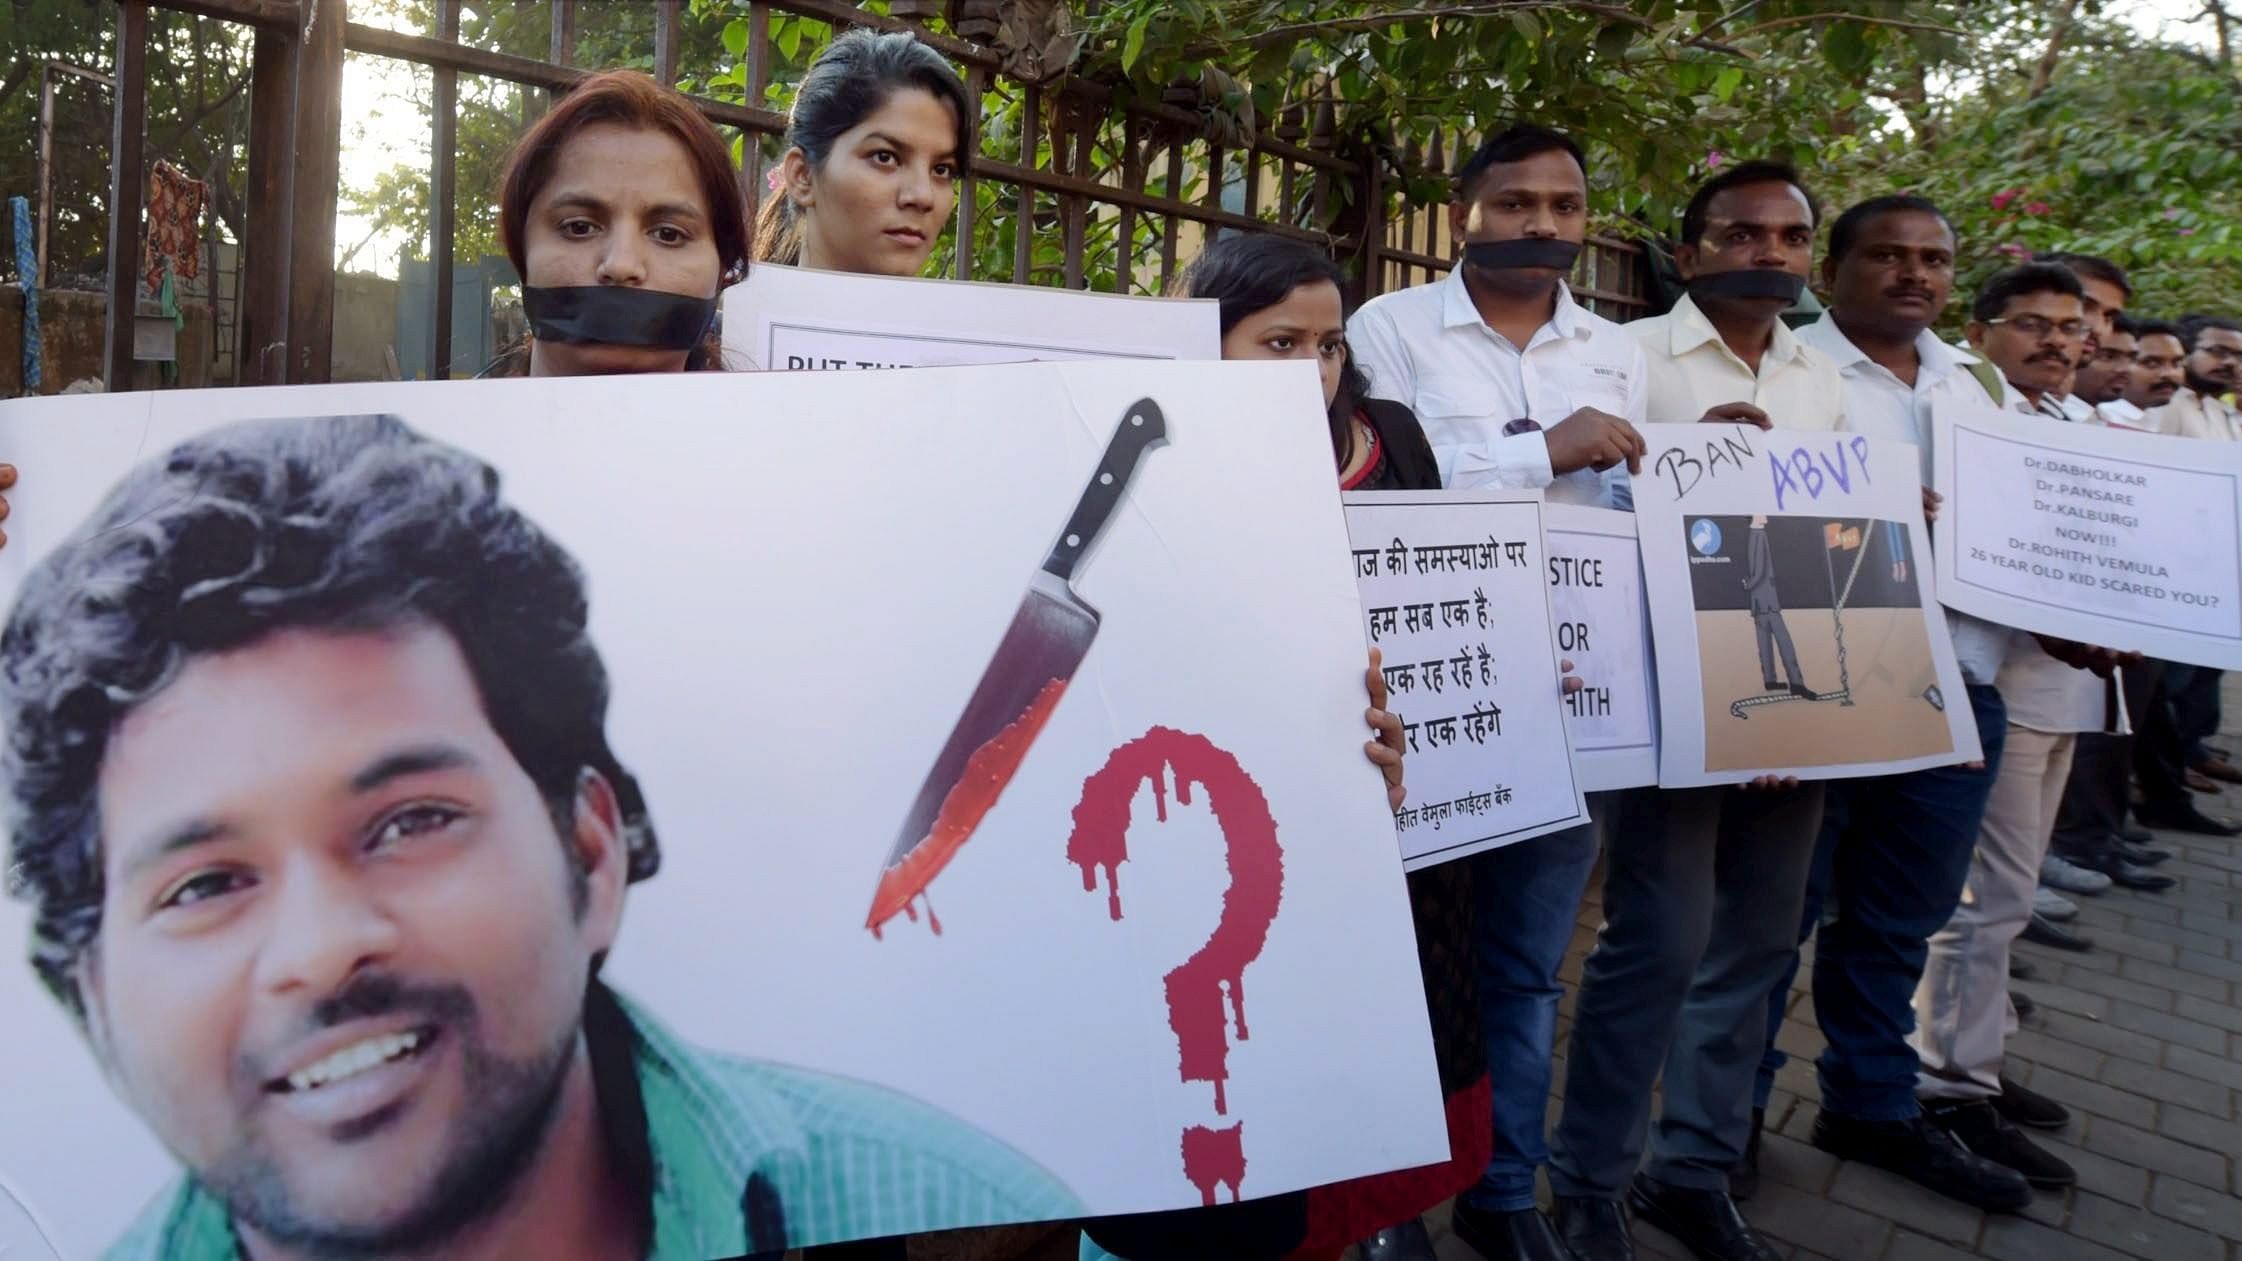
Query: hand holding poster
1791, 607
1455, 598
2127, 540
1595, 584
472, 847
793, 319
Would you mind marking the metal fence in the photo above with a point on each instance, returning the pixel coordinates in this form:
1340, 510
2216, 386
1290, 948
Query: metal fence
1082, 190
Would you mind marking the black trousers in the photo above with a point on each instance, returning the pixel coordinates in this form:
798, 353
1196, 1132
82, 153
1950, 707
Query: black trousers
2097, 794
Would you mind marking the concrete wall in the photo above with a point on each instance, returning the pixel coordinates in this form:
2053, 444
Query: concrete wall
365, 326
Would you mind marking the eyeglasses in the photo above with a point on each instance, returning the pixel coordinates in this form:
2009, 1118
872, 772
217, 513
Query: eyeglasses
2224, 354
2041, 326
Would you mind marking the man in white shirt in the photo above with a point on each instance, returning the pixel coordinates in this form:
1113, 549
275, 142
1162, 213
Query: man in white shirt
2107, 374
1516, 384
1702, 886
2214, 372
2159, 368
1895, 849
2030, 321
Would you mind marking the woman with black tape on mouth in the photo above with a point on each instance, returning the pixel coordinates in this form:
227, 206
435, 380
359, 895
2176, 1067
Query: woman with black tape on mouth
622, 213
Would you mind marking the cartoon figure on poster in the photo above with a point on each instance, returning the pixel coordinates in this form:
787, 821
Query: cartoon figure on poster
1796, 617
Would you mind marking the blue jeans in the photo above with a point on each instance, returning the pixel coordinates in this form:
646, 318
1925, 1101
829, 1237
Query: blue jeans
1894, 852
1527, 901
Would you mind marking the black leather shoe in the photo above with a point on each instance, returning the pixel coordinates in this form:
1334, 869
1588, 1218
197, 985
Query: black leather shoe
1804, 692
2029, 1108
2186, 818
2041, 931
1925, 1155
2131, 835
2139, 854
2020, 968
1705, 1222
1524, 1235
1985, 1132
1743, 1180
1595, 1229
2127, 875
1409, 1241
2023, 1004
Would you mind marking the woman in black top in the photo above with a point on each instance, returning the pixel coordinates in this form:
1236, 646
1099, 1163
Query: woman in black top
1281, 300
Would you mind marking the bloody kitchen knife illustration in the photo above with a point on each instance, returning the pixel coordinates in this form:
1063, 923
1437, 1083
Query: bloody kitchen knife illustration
1050, 635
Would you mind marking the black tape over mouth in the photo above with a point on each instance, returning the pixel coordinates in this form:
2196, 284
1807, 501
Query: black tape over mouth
616, 315
1748, 282
1525, 251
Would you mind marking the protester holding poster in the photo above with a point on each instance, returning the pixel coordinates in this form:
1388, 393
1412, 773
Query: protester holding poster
2029, 321
876, 141
1703, 885
1519, 386
1280, 300
1894, 849
621, 212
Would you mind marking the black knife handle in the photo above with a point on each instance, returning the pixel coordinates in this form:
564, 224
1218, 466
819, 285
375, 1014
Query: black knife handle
1142, 427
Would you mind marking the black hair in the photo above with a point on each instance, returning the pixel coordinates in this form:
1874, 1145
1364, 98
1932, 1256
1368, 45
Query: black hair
1693, 218
2144, 327
850, 81
2020, 281
1849, 225
1514, 143
2090, 267
345, 523
1245, 272
2193, 325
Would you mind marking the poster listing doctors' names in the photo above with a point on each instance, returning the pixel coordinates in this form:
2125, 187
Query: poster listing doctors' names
2128, 540
1595, 584
1456, 598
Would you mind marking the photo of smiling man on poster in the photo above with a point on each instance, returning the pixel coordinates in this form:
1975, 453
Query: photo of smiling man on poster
312, 800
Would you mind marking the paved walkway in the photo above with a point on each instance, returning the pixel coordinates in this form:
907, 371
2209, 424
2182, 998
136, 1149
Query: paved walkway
2141, 1038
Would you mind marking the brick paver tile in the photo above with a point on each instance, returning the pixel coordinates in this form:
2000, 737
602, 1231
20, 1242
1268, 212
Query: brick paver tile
2198, 1130
2210, 1039
1890, 1196
2208, 1097
2222, 1015
2080, 1095
2113, 1036
1810, 1221
1907, 1247
2153, 1152
2116, 985
2176, 938
2179, 977
2021, 1239
2211, 965
1800, 1165
2217, 1068
2143, 1233
2116, 1179
2200, 1207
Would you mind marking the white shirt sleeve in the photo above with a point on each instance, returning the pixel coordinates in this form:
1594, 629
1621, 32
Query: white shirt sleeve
1380, 352
1504, 462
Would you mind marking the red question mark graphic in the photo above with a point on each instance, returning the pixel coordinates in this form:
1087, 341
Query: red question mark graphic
1195, 988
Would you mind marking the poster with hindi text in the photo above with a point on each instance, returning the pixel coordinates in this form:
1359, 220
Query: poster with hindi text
794, 319
931, 849
2120, 538
1456, 600
1793, 617
1603, 628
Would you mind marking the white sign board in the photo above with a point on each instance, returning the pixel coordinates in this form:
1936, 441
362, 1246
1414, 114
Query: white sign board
2128, 540
1603, 628
1454, 598
1796, 629
1055, 1025
792, 319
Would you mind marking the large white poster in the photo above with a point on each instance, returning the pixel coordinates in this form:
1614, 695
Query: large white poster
1603, 628
1791, 606
1454, 599
306, 747
2124, 539
793, 319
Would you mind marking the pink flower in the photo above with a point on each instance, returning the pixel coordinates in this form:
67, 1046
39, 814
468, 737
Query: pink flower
2037, 208
2002, 199
2184, 231
2171, 212
775, 178
1713, 159
2012, 249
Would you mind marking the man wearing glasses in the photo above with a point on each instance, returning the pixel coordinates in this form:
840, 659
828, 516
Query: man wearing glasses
2204, 407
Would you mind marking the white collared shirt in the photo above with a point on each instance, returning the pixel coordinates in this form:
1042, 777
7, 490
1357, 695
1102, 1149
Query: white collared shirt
1692, 370
1428, 348
2119, 414
1887, 409
2077, 410
2191, 415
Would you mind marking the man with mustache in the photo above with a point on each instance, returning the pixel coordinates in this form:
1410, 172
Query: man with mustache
1894, 849
2107, 374
313, 801
1516, 384
2030, 321
1702, 888
2159, 366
